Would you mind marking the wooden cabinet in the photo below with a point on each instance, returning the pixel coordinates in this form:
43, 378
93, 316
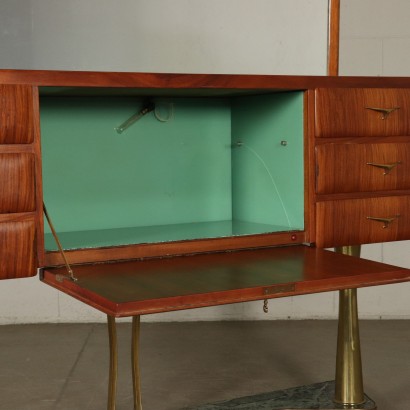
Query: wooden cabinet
362, 142
252, 170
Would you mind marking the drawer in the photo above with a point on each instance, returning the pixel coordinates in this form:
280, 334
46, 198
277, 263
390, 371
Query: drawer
359, 112
358, 221
16, 114
17, 251
17, 183
356, 167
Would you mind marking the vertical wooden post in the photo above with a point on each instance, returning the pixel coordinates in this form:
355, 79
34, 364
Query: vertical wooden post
334, 38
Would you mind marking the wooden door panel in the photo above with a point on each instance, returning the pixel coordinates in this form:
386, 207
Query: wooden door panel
17, 183
17, 250
16, 114
359, 221
362, 167
358, 112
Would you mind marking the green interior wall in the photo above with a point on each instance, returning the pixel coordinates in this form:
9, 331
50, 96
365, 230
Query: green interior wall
179, 179
267, 160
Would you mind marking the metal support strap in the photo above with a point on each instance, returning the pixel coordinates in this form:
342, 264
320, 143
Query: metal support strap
60, 248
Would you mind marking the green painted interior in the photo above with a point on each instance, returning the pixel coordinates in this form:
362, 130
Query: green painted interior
183, 178
267, 160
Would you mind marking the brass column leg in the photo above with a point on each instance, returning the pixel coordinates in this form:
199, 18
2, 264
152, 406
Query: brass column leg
135, 362
349, 378
112, 383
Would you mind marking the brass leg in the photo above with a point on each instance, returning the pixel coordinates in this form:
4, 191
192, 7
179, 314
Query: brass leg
135, 362
112, 383
349, 378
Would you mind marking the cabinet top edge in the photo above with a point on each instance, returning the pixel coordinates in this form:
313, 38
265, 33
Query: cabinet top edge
192, 81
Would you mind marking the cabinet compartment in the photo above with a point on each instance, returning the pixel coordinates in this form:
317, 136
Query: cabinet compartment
213, 167
360, 221
16, 114
17, 250
353, 112
361, 167
17, 183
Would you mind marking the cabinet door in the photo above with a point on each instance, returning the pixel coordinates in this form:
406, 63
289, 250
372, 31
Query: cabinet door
17, 185
362, 167
16, 114
359, 112
359, 221
17, 237
20, 187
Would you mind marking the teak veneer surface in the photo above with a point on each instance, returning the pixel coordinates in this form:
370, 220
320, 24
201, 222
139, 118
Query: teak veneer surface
164, 284
17, 185
17, 239
346, 167
192, 81
356, 112
16, 114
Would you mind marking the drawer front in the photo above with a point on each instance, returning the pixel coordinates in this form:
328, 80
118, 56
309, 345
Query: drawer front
359, 221
17, 183
362, 167
16, 114
17, 252
359, 112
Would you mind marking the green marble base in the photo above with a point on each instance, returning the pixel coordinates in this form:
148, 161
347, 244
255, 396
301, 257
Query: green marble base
314, 396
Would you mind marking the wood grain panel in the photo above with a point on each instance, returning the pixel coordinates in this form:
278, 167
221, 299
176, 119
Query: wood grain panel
16, 114
347, 113
345, 222
192, 81
334, 37
164, 284
17, 247
346, 167
17, 183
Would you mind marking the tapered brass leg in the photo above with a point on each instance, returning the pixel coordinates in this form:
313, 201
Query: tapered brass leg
349, 378
135, 362
113, 376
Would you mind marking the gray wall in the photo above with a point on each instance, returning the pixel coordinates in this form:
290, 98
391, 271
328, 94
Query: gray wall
212, 36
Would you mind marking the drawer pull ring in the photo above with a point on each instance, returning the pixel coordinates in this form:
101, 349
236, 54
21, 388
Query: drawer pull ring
387, 167
385, 112
386, 221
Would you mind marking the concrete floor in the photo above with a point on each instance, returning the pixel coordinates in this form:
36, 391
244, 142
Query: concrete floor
65, 366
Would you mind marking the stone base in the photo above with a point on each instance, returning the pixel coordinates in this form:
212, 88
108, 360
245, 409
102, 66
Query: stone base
314, 396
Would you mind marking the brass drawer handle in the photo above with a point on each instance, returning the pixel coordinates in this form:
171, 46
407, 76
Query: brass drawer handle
387, 167
386, 221
385, 112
